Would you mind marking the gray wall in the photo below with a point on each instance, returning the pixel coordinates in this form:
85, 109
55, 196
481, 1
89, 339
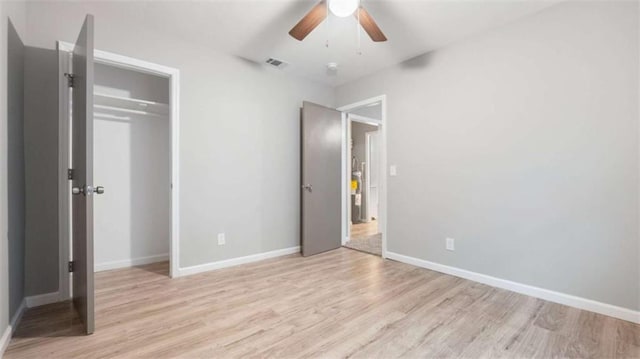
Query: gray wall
10, 112
15, 167
522, 144
239, 132
41, 155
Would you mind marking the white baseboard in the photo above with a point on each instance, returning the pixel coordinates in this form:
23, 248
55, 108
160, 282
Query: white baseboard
17, 316
13, 325
99, 267
549, 295
236, 261
42, 299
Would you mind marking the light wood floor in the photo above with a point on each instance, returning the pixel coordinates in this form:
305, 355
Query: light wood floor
362, 230
334, 305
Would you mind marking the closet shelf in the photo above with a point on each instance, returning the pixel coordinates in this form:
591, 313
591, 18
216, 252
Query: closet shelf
130, 105
103, 110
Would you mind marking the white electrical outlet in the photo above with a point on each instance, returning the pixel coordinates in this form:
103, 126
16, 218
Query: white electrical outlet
451, 244
221, 240
393, 171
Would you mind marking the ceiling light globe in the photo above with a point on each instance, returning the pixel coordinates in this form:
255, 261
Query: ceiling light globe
343, 8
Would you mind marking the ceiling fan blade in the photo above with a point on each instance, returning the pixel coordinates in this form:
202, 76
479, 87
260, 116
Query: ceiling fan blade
310, 21
370, 25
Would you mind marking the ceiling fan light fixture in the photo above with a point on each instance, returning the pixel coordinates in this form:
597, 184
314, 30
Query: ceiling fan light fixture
343, 8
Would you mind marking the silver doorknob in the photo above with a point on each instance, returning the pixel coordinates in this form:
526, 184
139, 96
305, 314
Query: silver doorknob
87, 190
308, 187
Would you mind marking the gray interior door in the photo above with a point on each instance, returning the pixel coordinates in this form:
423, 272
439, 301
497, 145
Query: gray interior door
321, 177
82, 181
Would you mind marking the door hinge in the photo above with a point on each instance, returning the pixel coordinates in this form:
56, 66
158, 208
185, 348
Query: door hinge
70, 78
71, 266
70, 173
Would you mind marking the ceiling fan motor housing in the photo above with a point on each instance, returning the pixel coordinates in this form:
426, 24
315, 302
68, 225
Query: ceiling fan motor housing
341, 8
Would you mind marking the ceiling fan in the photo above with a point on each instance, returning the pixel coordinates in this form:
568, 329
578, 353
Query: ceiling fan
340, 8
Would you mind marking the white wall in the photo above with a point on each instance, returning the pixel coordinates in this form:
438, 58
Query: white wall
15, 11
239, 133
132, 157
522, 144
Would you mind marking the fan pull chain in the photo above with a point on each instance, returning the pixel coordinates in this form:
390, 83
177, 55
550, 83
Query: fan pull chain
328, 26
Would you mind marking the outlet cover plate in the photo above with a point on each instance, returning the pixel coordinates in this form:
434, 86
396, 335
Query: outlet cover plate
451, 244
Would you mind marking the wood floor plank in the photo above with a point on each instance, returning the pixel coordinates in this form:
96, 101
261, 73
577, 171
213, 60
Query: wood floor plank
366, 229
337, 304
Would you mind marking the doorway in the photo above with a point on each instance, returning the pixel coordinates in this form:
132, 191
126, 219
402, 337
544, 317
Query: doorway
364, 234
364, 182
132, 161
326, 173
136, 122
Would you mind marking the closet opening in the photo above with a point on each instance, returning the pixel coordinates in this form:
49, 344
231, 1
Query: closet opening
132, 161
134, 146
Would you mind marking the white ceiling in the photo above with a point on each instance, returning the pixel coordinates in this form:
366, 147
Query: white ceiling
257, 30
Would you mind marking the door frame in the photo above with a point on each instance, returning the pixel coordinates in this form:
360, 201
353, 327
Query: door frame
64, 187
346, 164
367, 159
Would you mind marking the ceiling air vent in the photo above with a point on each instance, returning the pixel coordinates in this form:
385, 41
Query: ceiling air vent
276, 63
